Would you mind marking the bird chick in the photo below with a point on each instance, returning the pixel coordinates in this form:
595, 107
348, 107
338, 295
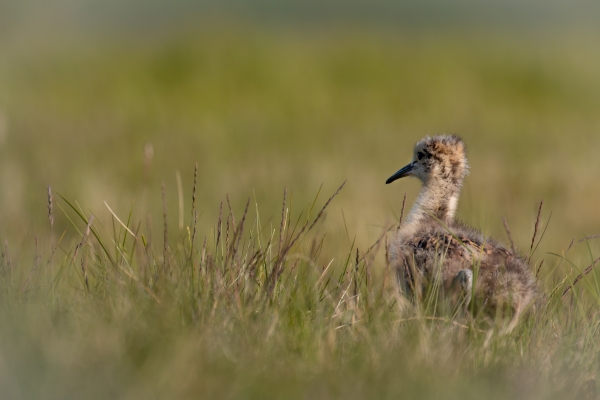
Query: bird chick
432, 245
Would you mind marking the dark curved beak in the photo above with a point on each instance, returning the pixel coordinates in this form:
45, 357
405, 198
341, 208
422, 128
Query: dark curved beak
405, 171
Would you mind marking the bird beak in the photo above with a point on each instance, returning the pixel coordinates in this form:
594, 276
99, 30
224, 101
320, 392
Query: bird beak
405, 171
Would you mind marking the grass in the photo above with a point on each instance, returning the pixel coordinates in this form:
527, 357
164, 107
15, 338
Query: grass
198, 282
253, 310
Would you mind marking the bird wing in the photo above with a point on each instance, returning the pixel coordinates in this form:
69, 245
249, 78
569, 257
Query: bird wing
456, 246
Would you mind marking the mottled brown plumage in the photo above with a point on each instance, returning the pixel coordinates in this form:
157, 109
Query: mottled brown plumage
432, 245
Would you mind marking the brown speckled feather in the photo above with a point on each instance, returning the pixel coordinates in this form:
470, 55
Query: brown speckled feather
448, 251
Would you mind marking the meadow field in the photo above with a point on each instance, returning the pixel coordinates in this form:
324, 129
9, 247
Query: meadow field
215, 265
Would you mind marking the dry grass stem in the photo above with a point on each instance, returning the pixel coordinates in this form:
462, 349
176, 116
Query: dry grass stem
282, 225
581, 275
231, 212
50, 214
84, 238
203, 256
180, 198
588, 238
238, 234
535, 229
219, 224
119, 220
512, 243
165, 229
570, 245
6, 261
194, 227
402, 211
320, 214
539, 268
194, 213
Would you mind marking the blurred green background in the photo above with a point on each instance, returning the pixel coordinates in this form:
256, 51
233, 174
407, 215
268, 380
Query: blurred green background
104, 101
108, 100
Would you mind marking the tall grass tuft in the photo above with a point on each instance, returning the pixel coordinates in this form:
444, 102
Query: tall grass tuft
259, 311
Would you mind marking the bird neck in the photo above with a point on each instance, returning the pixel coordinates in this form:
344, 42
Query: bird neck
436, 203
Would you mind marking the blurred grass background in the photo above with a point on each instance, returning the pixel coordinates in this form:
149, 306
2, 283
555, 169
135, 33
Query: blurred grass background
263, 107
105, 101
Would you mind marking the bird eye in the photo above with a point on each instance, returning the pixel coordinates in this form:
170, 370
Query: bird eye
420, 156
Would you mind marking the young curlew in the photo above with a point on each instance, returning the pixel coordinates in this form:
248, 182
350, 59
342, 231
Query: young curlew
432, 245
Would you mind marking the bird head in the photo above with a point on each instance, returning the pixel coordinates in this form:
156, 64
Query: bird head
437, 158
